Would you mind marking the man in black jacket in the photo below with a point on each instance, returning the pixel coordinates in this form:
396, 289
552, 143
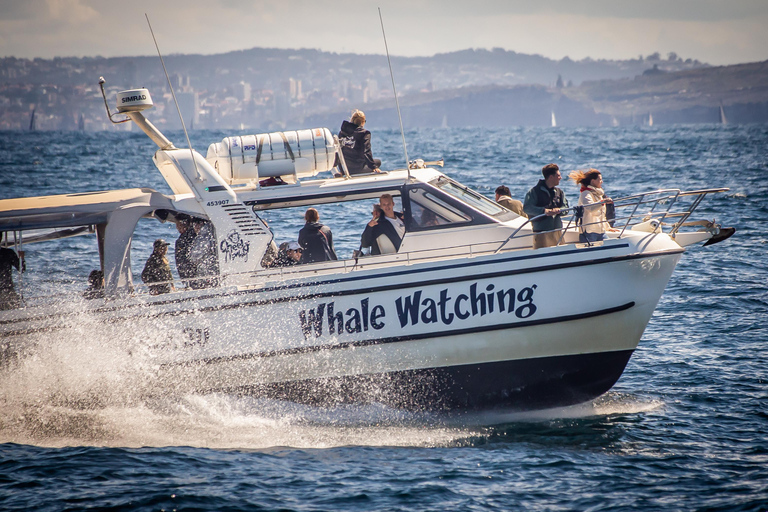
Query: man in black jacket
384, 233
356, 145
546, 198
316, 239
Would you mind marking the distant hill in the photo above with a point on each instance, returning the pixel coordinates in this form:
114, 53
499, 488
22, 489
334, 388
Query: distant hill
683, 97
264, 89
268, 67
690, 96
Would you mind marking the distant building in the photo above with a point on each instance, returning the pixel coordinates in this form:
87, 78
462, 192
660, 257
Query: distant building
243, 91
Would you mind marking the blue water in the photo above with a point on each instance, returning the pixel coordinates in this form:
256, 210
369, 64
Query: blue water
685, 428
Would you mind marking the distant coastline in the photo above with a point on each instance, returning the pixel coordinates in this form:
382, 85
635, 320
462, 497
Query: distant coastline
271, 89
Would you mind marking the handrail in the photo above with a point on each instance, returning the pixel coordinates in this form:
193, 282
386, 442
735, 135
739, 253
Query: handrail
663, 197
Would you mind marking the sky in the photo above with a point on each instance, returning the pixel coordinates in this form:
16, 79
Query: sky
717, 32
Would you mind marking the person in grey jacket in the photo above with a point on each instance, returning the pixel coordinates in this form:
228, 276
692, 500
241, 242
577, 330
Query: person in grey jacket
546, 198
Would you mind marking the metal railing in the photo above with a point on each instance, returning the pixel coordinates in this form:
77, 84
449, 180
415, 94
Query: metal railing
659, 205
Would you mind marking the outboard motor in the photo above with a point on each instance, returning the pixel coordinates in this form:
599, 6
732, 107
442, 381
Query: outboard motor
298, 154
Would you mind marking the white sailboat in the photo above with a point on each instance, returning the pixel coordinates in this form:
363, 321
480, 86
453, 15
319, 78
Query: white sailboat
723, 120
553, 120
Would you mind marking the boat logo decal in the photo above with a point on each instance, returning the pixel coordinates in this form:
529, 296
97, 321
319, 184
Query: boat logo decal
444, 308
234, 247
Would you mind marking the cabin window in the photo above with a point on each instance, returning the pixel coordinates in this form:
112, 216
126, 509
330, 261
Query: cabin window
470, 197
427, 210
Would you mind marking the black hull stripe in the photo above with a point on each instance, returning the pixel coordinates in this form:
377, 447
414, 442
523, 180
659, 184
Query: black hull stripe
399, 339
512, 385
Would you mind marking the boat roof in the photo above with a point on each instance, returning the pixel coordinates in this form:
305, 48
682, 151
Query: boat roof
75, 210
311, 192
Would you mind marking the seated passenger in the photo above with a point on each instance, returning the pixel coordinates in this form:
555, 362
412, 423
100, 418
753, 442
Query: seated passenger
9, 299
384, 233
504, 198
428, 218
316, 239
288, 254
95, 288
158, 270
355, 143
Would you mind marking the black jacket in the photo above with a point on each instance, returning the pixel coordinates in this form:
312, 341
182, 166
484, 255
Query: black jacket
382, 227
540, 198
317, 242
183, 249
356, 147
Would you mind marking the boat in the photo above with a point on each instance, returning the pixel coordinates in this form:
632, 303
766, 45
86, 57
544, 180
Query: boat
464, 316
723, 120
553, 121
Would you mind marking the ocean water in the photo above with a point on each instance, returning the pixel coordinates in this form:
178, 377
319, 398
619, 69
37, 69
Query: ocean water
685, 428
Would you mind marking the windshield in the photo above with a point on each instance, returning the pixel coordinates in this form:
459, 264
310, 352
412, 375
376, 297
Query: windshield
470, 197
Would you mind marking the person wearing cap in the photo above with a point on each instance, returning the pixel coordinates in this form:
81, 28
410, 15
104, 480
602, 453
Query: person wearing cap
355, 143
158, 270
288, 254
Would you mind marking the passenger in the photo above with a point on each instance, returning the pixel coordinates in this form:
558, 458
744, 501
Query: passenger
385, 232
158, 270
183, 248
428, 218
316, 239
9, 299
594, 221
204, 255
503, 197
95, 288
355, 143
546, 198
288, 254
270, 255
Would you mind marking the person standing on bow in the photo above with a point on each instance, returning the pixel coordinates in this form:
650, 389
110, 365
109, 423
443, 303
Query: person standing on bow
355, 143
546, 198
594, 221
315, 239
158, 270
385, 232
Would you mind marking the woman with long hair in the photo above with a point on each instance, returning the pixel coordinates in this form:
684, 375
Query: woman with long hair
592, 198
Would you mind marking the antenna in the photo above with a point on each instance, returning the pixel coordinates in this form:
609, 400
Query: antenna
397, 103
194, 162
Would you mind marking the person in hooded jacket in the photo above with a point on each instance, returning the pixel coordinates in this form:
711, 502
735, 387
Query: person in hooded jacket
315, 239
356, 145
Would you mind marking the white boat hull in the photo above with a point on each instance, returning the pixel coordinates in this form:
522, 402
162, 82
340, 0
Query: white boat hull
524, 329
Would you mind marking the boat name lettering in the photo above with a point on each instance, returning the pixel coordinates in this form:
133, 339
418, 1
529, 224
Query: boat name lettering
220, 202
235, 247
418, 307
249, 147
352, 320
414, 307
139, 97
